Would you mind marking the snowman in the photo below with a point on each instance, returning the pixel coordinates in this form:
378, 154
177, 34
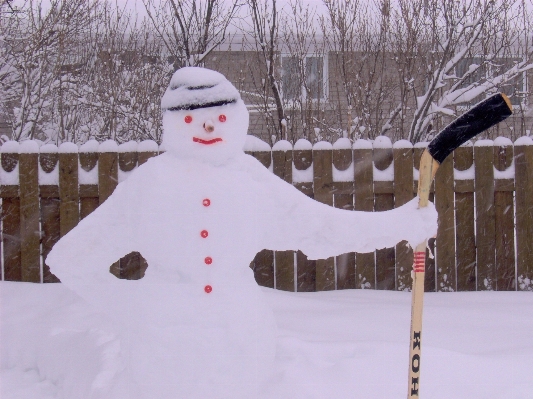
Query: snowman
197, 324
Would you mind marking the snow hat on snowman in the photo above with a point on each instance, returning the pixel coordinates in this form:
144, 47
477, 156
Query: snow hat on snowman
204, 117
192, 88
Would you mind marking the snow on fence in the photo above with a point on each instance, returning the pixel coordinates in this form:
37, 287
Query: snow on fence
484, 196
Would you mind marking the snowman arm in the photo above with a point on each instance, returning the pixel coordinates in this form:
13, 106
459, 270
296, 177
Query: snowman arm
84, 255
321, 231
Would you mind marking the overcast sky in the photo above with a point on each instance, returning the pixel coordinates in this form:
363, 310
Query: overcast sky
139, 7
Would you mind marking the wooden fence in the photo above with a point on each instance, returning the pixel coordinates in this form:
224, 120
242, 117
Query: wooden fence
484, 196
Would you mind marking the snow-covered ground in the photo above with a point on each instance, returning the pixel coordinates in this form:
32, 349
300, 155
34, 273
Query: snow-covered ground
341, 344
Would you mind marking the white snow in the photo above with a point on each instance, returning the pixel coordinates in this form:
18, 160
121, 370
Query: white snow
10, 147
129, 146
28, 147
48, 149
282, 145
382, 142
51, 178
197, 325
343, 175
384, 175
337, 344
342, 143
468, 174
362, 144
484, 143
89, 146
108, 146
255, 144
322, 145
303, 144
524, 140
502, 142
147, 146
402, 144
10, 178
123, 175
302, 176
183, 89
68, 148
88, 177
508, 173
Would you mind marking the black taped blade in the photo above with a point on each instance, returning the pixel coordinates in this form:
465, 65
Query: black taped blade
478, 119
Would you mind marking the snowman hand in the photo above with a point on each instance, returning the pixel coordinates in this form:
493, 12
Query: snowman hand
419, 223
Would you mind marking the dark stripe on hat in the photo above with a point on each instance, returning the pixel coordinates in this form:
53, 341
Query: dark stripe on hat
200, 87
190, 107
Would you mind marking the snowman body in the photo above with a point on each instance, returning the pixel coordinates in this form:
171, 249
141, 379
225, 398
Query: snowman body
198, 301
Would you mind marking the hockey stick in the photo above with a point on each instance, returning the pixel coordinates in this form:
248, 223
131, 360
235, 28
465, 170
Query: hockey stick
481, 117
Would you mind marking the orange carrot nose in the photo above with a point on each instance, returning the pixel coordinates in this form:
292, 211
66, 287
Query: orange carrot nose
209, 126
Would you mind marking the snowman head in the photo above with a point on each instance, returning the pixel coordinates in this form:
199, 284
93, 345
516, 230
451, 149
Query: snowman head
204, 117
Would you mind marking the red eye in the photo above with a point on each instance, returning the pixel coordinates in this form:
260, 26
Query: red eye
222, 118
188, 119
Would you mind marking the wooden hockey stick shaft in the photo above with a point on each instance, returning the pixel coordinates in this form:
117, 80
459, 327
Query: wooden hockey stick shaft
428, 168
482, 116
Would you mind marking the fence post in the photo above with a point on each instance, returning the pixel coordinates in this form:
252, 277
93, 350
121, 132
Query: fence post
445, 242
464, 216
403, 193
322, 185
68, 187
29, 212
343, 199
284, 260
384, 201
50, 203
523, 157
485, 227
365, 266
303, 180
11, 211
88, 177
504, 215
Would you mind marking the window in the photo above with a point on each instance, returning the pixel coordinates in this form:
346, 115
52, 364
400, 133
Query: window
513, 88
303, 78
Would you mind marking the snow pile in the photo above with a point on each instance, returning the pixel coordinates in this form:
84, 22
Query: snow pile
338, 344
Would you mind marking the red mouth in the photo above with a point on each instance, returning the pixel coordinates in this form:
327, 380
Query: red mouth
212, 141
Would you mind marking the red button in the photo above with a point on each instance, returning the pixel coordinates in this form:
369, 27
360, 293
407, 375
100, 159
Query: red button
204, 233
208, 260
206, 202
208, 289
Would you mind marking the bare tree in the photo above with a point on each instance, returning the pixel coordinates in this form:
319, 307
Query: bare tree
358, 34
125, 78
35, 49
304, 74
191, 29
473, 34
264, 32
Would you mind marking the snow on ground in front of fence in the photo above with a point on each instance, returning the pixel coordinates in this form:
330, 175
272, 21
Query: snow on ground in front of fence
336, 344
